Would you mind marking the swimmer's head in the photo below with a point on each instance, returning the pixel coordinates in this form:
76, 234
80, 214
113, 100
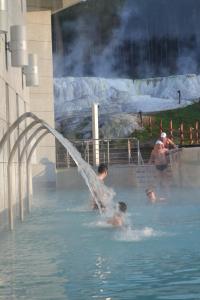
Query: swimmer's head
151, 195
149, 191
122, 206
102, 169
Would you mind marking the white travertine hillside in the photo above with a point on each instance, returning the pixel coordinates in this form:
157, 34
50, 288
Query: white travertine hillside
74, 96
118, 95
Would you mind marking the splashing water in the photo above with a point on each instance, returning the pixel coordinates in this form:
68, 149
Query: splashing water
130, 235
99, 192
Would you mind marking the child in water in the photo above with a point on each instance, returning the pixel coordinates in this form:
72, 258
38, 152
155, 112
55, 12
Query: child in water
152, 198
151, 195
117, 219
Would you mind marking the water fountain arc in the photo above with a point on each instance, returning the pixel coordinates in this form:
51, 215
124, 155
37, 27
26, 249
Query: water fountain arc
28, 169
97, 189
24, 151
14, 126
9, 169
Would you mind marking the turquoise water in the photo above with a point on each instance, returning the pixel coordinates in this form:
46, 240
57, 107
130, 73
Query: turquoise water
65, 251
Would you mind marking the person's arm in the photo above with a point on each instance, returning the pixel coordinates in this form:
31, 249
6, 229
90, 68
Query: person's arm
170, 142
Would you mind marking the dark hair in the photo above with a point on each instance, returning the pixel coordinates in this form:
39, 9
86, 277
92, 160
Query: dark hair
102, 168
148, 191
122, 206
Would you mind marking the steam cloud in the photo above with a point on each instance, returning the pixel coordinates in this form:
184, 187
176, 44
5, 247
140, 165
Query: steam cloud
129, 47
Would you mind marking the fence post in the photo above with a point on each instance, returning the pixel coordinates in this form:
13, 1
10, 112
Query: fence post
141, 119
138, 152
95, 133
161, 129
104, 152
190, 135
129, 151
108, 151
197, 132
181, 133
170, 130
87, 149
68, 160
179, 96
150, 126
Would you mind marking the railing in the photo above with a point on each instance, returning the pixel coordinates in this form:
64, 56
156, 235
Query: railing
110, 151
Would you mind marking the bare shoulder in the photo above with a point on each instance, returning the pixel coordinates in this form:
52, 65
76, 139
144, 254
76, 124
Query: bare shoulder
116, 221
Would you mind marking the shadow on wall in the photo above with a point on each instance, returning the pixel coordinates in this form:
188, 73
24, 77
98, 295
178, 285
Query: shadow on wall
46, 173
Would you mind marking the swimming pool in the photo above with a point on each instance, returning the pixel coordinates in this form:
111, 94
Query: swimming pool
64, 251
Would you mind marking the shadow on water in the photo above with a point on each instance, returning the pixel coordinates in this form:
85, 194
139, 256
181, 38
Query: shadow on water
45, 175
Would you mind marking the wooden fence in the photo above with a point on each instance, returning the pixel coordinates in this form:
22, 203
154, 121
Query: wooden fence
182, 134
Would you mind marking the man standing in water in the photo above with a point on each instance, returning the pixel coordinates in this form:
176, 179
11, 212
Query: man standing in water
102, 174
159, 157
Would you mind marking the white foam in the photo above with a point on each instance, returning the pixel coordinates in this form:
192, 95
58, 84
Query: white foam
79, 209
99, 223
134, 235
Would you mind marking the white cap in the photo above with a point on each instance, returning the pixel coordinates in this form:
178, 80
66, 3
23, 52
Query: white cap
163, 135
159, 143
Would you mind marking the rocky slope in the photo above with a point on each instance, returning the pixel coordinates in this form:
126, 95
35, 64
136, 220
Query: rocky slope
119, 101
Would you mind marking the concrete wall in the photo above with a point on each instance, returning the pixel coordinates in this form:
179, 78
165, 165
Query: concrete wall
186, 167
119, 176
68, 3
41, 97
33, 5
185, 173
14, 101
53, 5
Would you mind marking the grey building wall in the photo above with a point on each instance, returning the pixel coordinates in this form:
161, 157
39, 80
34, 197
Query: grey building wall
41, 97
33, 5
53, 5
16, 98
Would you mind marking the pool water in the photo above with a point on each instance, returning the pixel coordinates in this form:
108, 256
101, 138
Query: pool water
65, 251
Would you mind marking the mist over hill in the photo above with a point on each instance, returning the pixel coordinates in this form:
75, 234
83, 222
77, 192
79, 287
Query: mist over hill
127, 38
103, 48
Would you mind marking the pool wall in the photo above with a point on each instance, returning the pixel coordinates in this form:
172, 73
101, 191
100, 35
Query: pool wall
186, 168
185, 172
118, 175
